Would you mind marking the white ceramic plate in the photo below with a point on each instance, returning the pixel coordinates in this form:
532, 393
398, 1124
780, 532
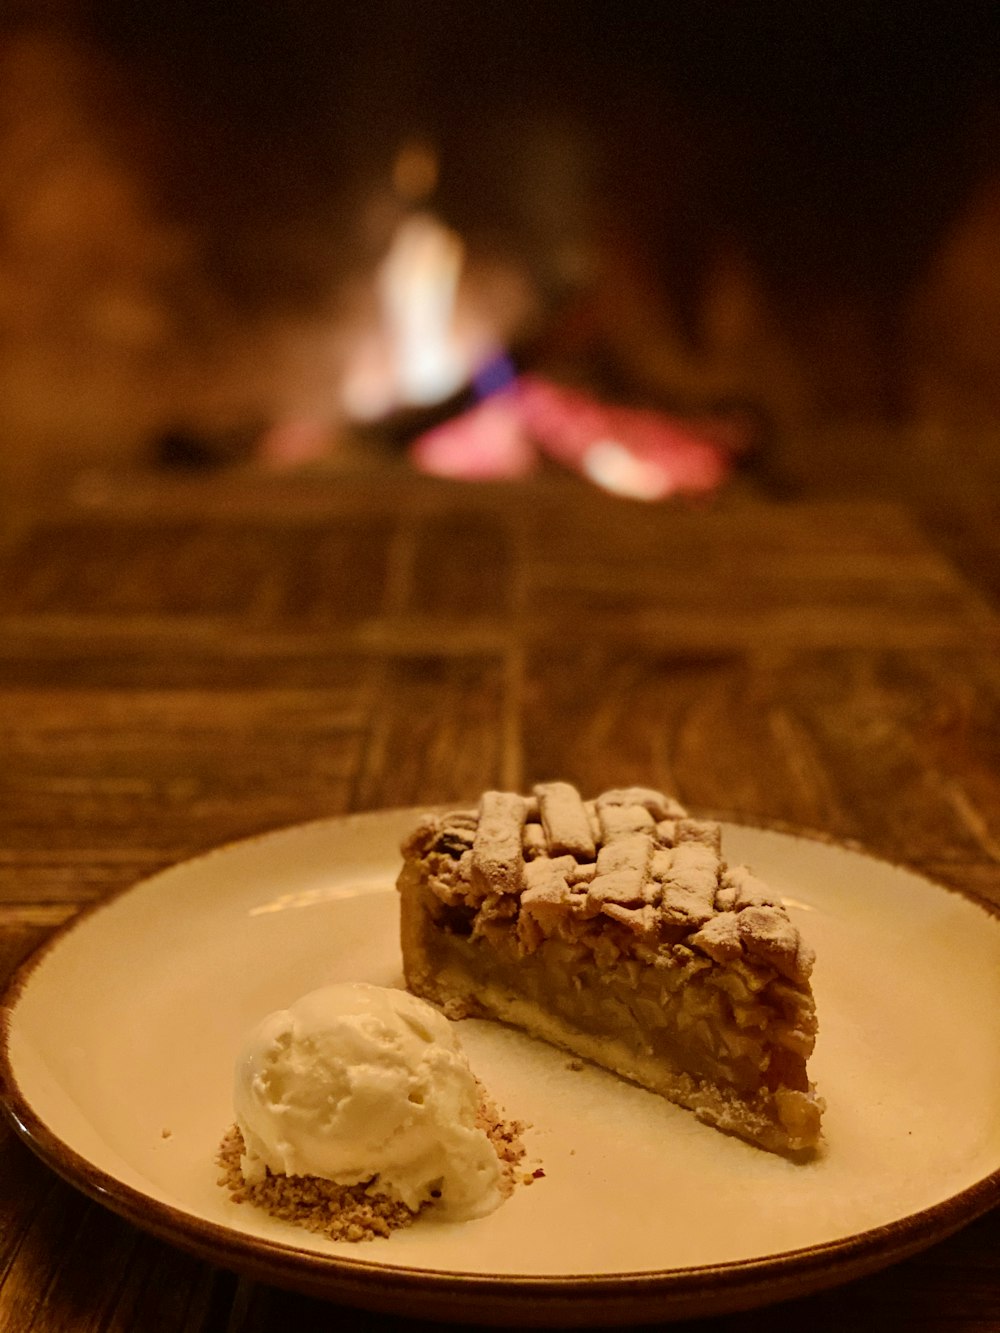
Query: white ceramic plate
120, 1035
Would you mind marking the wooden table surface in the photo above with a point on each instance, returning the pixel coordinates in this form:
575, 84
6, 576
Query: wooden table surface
188, 661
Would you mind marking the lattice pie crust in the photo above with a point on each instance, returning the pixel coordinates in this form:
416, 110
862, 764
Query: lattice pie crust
615, 929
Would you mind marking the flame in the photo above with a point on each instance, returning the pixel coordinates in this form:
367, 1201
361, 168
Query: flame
610, 465
429, 321
419, 353
437, 324
432, 318
418, 287
413, 354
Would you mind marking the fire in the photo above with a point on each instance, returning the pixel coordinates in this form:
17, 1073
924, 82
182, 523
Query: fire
436, 325
429, 333
412, 356
418, 289
637, 453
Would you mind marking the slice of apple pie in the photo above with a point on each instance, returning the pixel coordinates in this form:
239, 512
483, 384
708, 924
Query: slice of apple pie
615, 929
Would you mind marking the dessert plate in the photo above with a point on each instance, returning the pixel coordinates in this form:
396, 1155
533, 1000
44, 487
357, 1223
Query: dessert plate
119, 1038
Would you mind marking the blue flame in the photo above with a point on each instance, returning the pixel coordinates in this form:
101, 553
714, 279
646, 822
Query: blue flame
494, 376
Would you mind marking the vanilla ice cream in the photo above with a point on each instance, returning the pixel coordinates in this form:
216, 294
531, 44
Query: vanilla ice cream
354, 1081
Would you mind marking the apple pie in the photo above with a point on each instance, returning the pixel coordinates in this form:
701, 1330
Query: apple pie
615, 929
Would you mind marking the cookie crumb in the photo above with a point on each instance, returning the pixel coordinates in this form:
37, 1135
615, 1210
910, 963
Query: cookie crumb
356, 1212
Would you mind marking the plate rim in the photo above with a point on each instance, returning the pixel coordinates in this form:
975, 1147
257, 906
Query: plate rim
675, 1292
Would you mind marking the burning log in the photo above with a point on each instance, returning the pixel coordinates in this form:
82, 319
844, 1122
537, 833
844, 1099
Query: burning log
636, 452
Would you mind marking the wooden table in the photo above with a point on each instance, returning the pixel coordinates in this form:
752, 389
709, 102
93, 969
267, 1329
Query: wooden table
188, 661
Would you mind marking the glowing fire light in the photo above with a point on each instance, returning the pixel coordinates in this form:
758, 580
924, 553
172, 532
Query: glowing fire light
428, 335
640, 454
416, 357
433, 332
418, 284
610, 465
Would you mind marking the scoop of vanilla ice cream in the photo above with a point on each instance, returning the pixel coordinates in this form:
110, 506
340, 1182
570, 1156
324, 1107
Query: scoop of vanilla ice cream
356, 1080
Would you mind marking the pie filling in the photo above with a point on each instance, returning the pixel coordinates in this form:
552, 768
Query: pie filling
615, 929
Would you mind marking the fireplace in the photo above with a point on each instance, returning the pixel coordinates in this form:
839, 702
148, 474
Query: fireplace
289, 229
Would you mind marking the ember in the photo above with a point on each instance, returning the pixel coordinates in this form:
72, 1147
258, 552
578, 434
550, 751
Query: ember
639, 453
